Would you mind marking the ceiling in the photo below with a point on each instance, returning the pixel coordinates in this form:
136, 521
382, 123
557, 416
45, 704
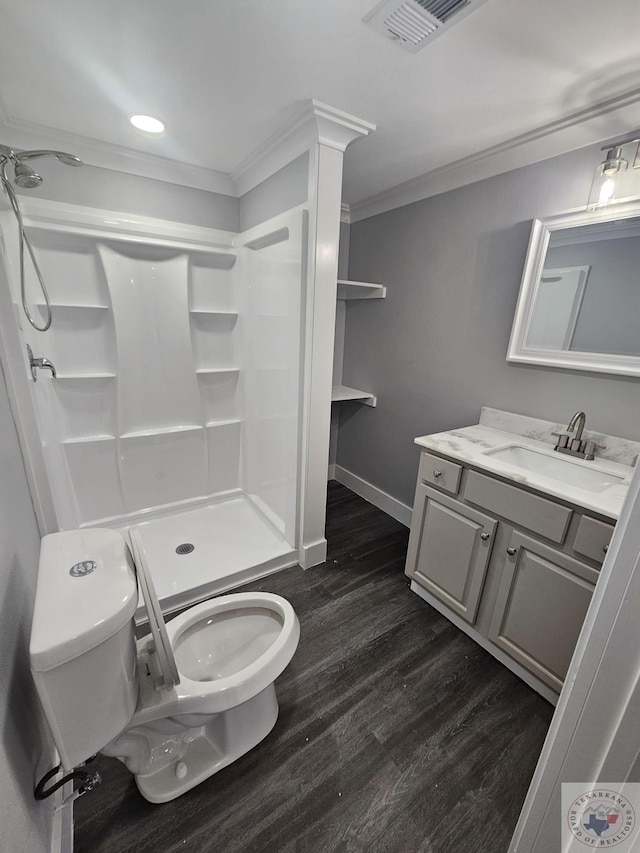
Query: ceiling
225, 75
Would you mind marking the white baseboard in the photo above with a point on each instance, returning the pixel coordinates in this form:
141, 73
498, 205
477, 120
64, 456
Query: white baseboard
332, 472
313, 554
392, 506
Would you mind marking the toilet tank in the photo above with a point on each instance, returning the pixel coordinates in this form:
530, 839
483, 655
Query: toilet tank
82, 647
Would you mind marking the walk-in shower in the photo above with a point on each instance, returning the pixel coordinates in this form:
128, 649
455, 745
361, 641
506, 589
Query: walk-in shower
176, 403
26, 178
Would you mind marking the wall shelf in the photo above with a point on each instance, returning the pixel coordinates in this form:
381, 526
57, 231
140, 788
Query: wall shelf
203, 371
360, 290
341, 393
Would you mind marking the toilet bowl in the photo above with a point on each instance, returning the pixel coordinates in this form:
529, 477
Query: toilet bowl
175, 707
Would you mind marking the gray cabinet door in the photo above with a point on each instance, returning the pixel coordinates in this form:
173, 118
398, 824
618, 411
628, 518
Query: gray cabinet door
449, 549
540, 608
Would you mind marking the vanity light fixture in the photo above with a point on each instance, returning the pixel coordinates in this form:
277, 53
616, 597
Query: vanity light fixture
147, 124
605, 182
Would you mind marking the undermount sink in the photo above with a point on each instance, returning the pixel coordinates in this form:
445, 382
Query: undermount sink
569, 471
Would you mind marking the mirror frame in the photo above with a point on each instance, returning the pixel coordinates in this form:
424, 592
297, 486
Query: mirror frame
518, 351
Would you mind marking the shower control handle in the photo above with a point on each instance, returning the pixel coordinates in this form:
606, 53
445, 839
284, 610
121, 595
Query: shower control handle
41, 363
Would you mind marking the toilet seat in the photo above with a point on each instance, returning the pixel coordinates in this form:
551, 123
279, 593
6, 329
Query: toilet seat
176, 692
168, 675
191, 696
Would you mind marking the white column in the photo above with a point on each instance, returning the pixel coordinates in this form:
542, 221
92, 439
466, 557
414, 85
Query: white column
335, 130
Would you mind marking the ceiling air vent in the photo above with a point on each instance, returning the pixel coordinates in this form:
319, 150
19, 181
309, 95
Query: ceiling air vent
411, 23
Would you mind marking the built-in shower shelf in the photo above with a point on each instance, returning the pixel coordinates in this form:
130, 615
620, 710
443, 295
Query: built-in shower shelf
74, 306
360, 290
213, 312
210, 424
203, 371
341, 393
74, 377
145, 433
86, 439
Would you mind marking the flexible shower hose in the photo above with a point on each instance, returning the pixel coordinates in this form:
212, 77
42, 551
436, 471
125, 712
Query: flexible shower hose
24, 240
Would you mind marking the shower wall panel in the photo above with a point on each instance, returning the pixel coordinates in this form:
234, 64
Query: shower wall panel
272, 261
146, 411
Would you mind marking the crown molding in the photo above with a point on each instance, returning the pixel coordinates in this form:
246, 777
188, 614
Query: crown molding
94, 152
345, 213
313, 123
338, 129
579, 129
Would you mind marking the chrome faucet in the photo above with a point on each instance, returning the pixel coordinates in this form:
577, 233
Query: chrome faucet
571, 440
576, 426
42, 363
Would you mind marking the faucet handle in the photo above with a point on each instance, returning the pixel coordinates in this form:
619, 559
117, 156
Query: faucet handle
590, 449
563, 439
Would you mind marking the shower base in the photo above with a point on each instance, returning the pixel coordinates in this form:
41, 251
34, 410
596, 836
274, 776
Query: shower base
232, 543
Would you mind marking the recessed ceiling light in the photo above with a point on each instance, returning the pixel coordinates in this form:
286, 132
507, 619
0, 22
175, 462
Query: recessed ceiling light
147, 124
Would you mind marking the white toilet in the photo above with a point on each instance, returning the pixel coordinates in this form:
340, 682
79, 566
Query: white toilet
175, 708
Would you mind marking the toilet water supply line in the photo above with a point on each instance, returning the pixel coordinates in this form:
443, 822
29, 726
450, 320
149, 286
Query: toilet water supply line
88, 783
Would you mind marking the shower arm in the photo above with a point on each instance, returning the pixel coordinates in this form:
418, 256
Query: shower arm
8, 153
68, 159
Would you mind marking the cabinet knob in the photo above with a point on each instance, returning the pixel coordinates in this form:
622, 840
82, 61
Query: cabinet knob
485, 536
605, 548
437, 473
512, 552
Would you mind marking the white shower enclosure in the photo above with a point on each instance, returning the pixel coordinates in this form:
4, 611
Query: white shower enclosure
177, 401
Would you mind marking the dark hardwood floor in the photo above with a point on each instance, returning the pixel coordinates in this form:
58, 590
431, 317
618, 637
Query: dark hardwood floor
396, 731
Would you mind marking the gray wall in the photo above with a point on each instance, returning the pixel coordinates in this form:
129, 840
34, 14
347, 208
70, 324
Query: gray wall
434, 350
26, 751
280, 192
96, 187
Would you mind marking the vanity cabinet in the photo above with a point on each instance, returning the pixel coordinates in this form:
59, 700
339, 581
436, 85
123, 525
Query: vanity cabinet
511, 567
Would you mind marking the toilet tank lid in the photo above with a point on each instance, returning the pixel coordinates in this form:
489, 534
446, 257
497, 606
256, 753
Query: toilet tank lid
86, 592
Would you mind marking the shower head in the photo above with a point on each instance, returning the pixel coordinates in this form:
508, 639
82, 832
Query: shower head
68, 159
25, 177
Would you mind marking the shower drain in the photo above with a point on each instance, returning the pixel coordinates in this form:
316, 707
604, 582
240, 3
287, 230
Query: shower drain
186, 548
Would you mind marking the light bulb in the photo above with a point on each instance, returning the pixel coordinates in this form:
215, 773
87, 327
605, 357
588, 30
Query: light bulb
603, 187
147, 124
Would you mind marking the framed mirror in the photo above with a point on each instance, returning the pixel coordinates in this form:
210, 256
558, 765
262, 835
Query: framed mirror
579, 302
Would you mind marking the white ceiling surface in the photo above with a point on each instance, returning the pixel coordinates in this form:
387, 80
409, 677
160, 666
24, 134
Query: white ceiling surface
225, 75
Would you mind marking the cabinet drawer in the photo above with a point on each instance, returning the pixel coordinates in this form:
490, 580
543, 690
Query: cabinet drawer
592, 538
440, 472
522, 508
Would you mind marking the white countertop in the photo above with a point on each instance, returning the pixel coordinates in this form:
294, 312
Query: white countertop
469, 444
